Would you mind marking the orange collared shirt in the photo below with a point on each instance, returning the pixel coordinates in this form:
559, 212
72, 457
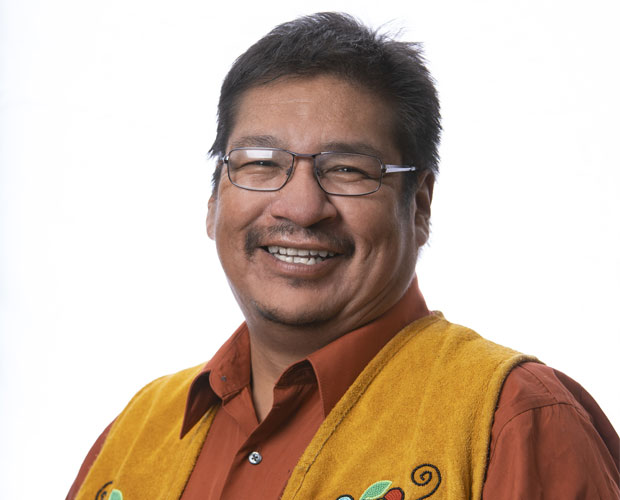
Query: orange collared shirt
575, 448
303, 396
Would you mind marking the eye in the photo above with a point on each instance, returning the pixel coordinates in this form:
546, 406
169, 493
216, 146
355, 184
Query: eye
345, 173
259, 163
346, 169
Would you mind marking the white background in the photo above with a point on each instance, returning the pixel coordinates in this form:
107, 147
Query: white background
108, 279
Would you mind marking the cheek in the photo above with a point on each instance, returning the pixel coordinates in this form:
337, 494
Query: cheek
374, 229
236, 213
390, 235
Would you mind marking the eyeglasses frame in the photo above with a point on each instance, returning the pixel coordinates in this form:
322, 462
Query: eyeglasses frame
385, 169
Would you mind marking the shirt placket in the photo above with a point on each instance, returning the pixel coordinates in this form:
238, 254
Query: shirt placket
254, 459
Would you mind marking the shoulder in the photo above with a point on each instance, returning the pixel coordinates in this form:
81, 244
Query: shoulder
533, 385
148, 402
550, 439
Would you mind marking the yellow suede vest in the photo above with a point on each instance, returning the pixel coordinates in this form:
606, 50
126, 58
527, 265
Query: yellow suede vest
415, 424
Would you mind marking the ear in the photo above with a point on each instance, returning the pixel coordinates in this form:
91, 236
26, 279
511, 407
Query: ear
422, 206
211, 215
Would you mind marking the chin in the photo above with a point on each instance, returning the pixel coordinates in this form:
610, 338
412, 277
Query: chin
298, 319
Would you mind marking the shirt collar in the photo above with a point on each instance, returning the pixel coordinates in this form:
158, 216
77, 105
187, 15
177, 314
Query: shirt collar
226, 373
335, 366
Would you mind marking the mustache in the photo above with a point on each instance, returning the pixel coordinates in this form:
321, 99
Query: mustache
256, 237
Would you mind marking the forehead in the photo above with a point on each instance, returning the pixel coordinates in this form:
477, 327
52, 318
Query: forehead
309, 115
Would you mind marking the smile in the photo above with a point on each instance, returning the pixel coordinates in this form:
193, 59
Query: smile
299, 255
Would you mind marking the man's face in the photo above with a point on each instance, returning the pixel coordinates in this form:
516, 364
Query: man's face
371, 241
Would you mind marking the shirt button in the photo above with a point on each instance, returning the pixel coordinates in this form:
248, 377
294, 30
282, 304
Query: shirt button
255, 458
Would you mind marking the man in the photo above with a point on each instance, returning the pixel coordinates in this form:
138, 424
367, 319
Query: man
341, 384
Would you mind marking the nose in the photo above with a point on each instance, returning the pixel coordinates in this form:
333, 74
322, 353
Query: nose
301, 200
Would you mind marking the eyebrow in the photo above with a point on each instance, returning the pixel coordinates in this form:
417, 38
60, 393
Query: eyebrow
269, 141
352, 147
259, 141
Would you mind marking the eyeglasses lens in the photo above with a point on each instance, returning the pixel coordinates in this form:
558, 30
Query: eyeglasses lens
337, 173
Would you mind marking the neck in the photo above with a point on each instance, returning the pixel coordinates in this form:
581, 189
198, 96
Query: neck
273, 350
276, 346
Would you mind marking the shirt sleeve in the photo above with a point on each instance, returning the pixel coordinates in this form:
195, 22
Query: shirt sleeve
545, 444
87, 464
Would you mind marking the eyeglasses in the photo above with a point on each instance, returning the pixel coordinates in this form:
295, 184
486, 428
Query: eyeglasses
342, 174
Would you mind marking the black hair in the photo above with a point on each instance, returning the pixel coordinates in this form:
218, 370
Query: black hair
337, 44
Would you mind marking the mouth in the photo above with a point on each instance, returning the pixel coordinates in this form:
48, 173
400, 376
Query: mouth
291, 255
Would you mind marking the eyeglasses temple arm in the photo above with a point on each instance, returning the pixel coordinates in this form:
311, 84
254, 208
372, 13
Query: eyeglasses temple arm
389, 169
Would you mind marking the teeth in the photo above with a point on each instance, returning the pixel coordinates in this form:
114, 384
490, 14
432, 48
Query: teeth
299, 255
309, 261
296, 253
